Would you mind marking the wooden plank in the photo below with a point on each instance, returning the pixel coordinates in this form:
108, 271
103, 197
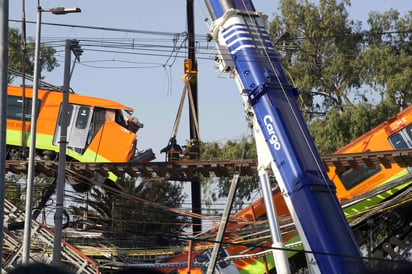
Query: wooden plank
47, 170
215, 169
325, 164
97, 168
188, 171
116, 170
338, 164
203, 170
353, 163
384, 161
132, 173
173, 172
368, 162
16, 169
407, 158
246, 171
223, 170
160, 170
181, 169
144, 172
398, 158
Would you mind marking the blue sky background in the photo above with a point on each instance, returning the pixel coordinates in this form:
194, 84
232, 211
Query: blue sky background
151, 84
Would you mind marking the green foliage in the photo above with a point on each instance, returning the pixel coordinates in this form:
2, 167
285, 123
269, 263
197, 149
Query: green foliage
387, 60
123, 215
16, 52
245, 148
319, 49
331, 60
350, 79
340, 128
13, 191
15, 188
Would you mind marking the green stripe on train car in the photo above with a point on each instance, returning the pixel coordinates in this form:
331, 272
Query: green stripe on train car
45, 142
366, 204
258, 266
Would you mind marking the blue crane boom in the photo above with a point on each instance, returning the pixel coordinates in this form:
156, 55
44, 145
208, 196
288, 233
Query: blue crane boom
284, 143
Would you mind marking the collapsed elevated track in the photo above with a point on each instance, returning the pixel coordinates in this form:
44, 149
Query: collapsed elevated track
185, 170
182, 170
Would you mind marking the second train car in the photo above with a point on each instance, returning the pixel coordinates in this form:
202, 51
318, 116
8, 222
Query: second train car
351, 184
393, 134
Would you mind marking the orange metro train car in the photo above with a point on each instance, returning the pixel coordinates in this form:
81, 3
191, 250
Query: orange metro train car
99, 130
393, 134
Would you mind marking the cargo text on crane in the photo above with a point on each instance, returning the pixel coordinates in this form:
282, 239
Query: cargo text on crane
273, 140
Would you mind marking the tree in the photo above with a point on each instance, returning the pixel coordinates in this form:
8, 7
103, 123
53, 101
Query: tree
16, 61
15, 190
319, 47
333, 61
124, 217
387, 59
340, 68
340, 128
245, 148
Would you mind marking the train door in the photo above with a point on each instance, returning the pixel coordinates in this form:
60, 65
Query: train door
79, 118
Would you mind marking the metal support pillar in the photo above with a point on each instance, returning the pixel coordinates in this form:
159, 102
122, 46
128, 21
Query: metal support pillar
58, 218
279, 253
32, 150
223, 224
4, 28
195, 182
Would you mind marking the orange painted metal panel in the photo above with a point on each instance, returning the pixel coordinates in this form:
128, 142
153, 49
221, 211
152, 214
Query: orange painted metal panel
374, 140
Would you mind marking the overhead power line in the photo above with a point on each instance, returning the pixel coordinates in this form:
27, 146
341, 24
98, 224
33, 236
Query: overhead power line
204, 37
154, 49
105, 28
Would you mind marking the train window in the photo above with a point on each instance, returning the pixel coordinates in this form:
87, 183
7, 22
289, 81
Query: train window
121, 118
15, 107
397, 141
98, 119
204, 258
402, 139
351, 177
409, 131
82, 117
69, 114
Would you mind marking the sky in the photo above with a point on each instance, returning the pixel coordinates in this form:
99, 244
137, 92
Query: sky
151, 82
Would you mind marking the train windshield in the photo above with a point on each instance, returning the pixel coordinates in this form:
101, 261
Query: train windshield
126, 120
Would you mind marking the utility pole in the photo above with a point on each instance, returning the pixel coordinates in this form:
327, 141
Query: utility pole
23, 51
32, 150
4, 29
191, 69
33, 125
58, 219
